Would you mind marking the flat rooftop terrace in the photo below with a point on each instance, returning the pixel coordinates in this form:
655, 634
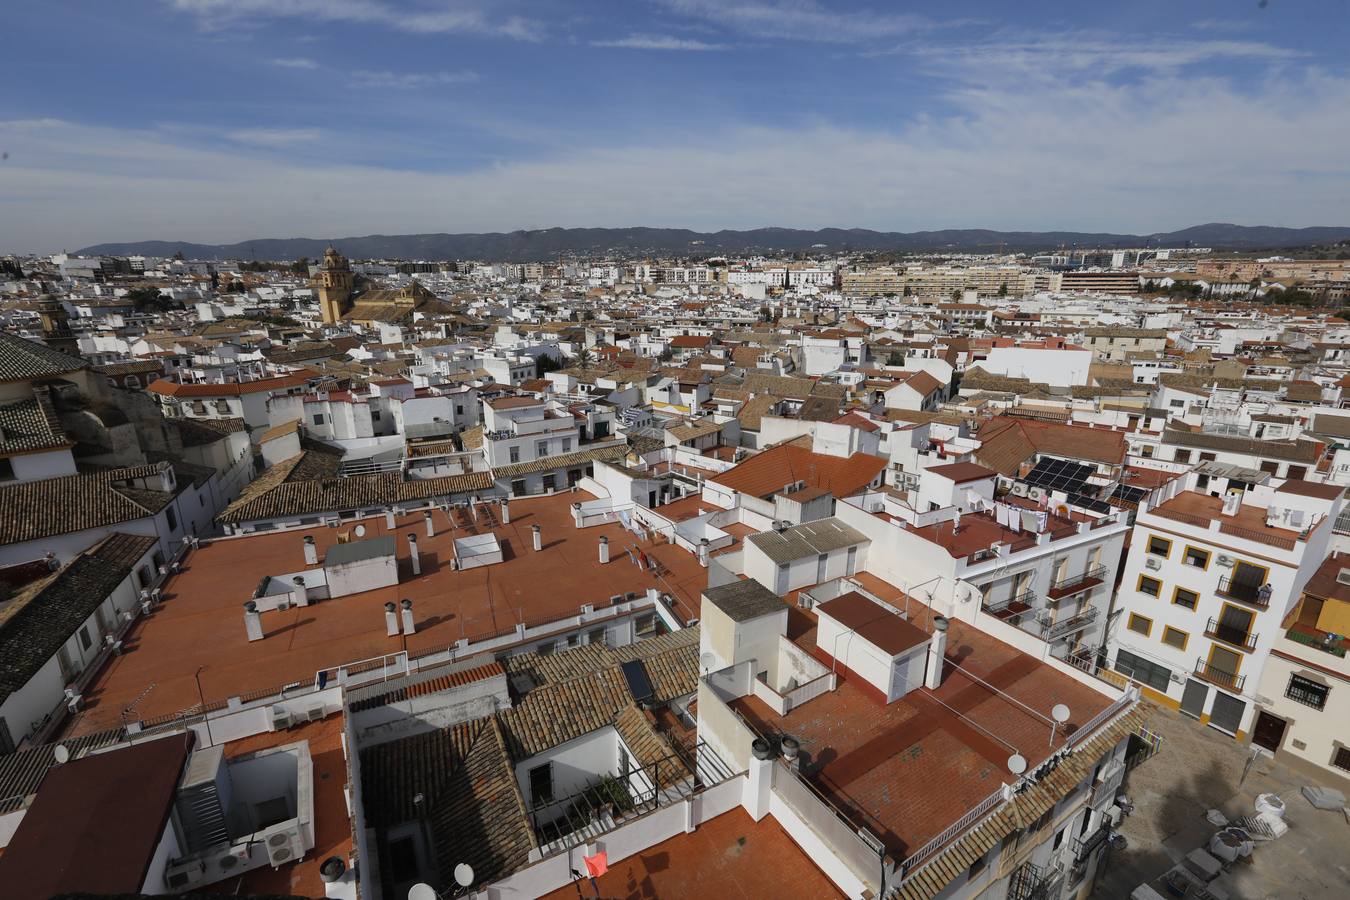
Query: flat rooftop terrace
199, 626
908, 769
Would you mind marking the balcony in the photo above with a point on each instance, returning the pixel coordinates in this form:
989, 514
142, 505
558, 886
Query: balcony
1052, 629
1318, 640
1075, 584
1083, 846
1245, 592
1011, 607
1217, 676
1231, 634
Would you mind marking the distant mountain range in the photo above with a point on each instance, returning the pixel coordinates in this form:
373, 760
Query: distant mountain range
551, 243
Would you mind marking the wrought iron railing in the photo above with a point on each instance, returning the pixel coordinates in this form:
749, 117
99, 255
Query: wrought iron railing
1230, 634
1245, 591
1219, 676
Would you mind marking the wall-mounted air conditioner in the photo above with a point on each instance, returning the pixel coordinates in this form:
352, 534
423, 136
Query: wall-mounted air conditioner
1153, 563
1035, 493
283, 844
281, 718
1019, 488
1225, 561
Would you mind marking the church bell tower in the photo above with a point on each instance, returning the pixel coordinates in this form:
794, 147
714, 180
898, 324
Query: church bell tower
335, 286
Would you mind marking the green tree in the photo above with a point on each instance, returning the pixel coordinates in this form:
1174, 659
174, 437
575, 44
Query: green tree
1003, 289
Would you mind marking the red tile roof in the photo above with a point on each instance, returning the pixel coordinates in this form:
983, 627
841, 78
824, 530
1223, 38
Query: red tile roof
768, 472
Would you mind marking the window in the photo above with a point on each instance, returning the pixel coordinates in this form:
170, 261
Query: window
1140, 624
1197, 558
1141, 670
566, 445
1159, 546
1175, 637
171, 518
1270, 467
85, 641
1183, 597
646, 624
6, 470
1150, 586
595, 636
1296, 472
541, 448
514, 454
375, 415
1341, 758
541, 784
1182, 456
1207, 457
459, 409
318, 418
1306, 691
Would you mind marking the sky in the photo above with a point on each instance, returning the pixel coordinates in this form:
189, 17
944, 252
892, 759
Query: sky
225, 120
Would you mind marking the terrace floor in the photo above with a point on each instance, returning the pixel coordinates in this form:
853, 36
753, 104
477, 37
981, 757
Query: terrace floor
198, 629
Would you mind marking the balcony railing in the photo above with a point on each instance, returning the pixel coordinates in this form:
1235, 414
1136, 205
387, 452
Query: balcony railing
1231, 634
1083, 846
1052, 629
1245, 591
1072, 584
1026, 599
1215, 675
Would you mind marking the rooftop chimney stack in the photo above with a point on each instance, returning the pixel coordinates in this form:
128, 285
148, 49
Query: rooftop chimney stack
299, 593
311, 551
391, 618
506, 512
408, 626
703, 552
253, 621
538, 537
937, 652
389, 518
431, 529
604, 550
1232, 502
412, 552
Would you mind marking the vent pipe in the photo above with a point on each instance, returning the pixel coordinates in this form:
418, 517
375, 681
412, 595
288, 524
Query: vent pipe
538, 537
391, 618
408, 626
431, 529
252, 621
413, 554
937, 653
604, 550
299, 593
506, 512
311, 551
389, 518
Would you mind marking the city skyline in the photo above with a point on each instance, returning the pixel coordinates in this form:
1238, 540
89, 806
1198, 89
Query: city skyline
208, 121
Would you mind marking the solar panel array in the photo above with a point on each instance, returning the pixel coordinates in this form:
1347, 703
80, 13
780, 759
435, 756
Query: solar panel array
1059, 475
1090, 503
1128, 494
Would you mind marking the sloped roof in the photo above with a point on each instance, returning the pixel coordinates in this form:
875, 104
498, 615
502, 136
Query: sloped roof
32, 510
1007, 442
29, 426
766, 473
22, 359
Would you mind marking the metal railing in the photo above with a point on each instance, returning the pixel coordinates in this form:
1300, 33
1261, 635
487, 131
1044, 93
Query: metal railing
1070, 582
1245, 591
937, 841
1215, 675
1083, 846
1054, 629
1026, 597
1231, 634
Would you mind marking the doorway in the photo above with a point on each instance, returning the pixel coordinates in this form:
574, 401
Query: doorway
1269, 731
1226, 714
1194, 697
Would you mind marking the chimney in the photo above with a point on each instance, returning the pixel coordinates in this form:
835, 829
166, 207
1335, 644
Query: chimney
937, 651
412, 552
311, 551
299, 593
252, 621
389, 518
604, 550
538, 537
506, 512
391, 618
431, 529
1232, 502
703, 552
408, 626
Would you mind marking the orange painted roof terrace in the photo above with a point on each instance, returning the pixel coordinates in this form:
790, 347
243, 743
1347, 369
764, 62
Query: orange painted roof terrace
199, 626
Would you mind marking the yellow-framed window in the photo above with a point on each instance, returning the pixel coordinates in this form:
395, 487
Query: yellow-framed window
1140, 624
1159, 546
1185, 597
1175, 637
1149, 585
1196, 557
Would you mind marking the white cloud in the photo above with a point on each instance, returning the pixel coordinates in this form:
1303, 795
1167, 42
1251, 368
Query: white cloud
657, 42
274, 137
1088, 53
295, 62
802, 20
446, 17
365, 78
1154, 154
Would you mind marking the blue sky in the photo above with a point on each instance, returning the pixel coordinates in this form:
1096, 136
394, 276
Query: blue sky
222, 120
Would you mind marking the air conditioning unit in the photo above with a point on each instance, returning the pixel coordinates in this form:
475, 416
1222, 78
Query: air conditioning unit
1343, 576
1114, 815
804, 600
281, 718
1153, 563
1225, 561
1035, 493
183, 875
1019, 488
283, 844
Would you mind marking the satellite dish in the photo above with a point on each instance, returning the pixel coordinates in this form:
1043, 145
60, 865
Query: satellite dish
1017, 764
360, 531
61, 753
1060, 713
422, 891
463, 874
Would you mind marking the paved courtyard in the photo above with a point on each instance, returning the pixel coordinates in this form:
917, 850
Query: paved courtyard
1199, 769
